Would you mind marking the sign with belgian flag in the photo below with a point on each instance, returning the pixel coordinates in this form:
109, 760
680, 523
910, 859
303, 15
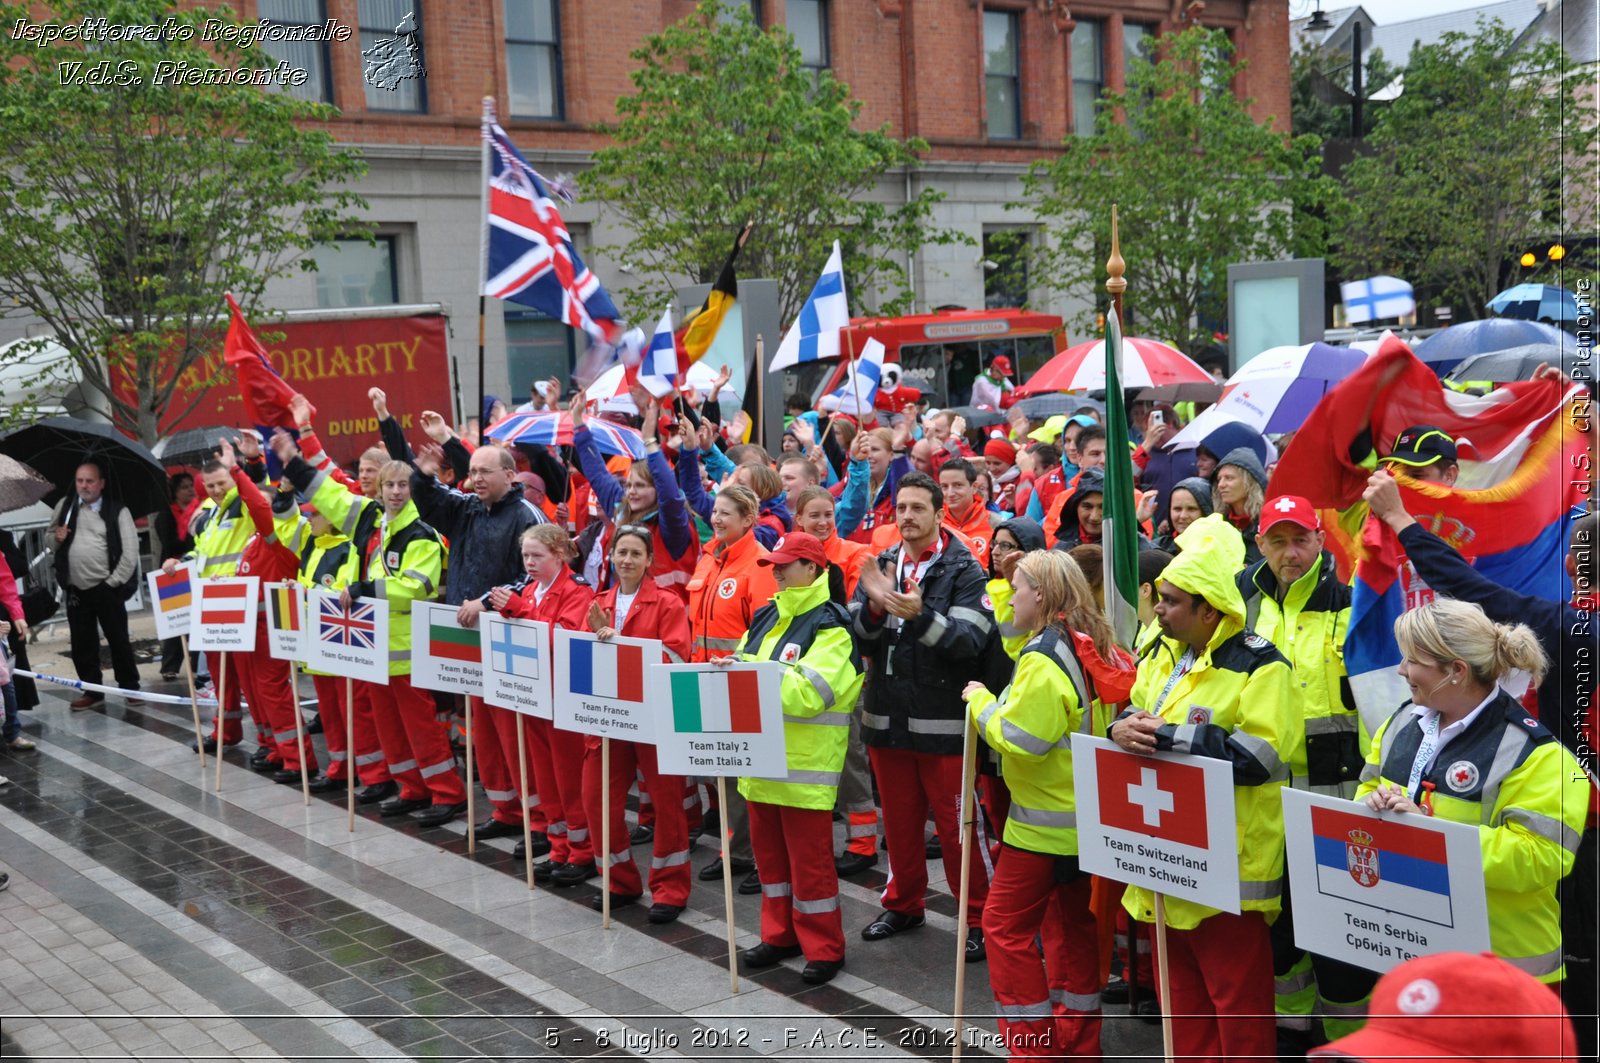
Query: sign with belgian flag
445, 655
286, 621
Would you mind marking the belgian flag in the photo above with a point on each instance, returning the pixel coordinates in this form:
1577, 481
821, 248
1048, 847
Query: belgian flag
700, 329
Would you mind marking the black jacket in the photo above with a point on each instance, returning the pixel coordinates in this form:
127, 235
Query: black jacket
920, 667
1570, 637
485, 542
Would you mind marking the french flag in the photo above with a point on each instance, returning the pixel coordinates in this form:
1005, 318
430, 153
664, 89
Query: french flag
606, 669
1387, 864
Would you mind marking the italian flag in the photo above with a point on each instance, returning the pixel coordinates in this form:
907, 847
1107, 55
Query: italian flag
716, 702
1120, 532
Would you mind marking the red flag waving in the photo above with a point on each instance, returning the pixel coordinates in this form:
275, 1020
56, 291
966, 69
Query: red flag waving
266, 395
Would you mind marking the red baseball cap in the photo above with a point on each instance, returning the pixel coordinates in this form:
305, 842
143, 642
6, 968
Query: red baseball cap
1001, 365
796, 546
1453, 1005
1291, 508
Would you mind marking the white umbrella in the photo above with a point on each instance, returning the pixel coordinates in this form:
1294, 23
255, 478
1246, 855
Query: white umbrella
612, 394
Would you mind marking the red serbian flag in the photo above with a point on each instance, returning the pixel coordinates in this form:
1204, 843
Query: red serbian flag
1146, 795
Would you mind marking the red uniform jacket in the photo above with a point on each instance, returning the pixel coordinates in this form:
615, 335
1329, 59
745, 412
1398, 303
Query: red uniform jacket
656, 614
566, 603
264, 556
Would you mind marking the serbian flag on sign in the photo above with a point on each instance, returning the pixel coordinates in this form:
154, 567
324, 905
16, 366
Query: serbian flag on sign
606, 669
266, 395
1508, 512
1382, 862
1159, 798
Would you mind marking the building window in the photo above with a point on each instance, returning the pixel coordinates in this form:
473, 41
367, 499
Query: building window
1135, 41
356, 273
538, 347
393, 65
1088, 73
1002, 70
808, 21
310, 56
533, 58
728, 11
1005, 268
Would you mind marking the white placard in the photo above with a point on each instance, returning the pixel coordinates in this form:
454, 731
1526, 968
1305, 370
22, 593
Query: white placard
603, 688
350, 642
516, 665
224, 614
286, 620
1377, 890
172, 600
720, 721
444, 655
1163, 821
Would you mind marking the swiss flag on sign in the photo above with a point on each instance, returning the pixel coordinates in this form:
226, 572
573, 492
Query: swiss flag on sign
1160, 798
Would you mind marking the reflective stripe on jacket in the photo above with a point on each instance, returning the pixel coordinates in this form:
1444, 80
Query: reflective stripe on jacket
803, 630
1529, 798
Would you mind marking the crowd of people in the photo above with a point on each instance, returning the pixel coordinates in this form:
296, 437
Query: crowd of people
917, 577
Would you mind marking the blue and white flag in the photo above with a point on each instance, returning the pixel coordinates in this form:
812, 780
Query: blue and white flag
659, 370
815, 333
1376, 299
862, 384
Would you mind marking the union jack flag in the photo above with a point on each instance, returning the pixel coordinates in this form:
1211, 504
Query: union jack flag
339, 627
531, 257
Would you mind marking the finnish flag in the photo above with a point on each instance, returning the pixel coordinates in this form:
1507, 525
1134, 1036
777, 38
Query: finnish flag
815, 333
868, 375
658, 371
1376, 299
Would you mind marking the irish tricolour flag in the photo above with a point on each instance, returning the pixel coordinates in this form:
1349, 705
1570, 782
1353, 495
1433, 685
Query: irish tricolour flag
716, 703
606, 670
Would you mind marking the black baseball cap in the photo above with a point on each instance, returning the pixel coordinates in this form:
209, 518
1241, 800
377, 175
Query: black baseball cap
1422, 445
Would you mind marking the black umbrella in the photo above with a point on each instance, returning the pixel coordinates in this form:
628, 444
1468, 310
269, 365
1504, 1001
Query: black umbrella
976, 417
1518, 363
191, 446
56, 446
1039, 407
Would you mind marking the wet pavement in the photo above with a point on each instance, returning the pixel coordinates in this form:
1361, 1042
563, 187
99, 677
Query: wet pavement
152, 916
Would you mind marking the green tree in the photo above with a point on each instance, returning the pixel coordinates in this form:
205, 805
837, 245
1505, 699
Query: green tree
1317, 78
1467, 166
132, 201
728, 126
1198, 182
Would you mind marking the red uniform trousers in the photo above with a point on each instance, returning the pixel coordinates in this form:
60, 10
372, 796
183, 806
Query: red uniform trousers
799, 886
1049, 1008
414, 743
331, 709
909, 784
230, 714
669, 860
1139, 967
1222, 1005
273, 703
995, 798
494, 747
555, 759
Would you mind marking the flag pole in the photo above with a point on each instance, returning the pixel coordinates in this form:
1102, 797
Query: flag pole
350, 764
300, 734
222, 712
758, 430
194, 703
483, 274
472, 813
1163, 982
527, 824
727, 878
605, 833
967, 815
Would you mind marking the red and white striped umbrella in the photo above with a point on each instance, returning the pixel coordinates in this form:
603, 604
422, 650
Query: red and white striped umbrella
1145, 364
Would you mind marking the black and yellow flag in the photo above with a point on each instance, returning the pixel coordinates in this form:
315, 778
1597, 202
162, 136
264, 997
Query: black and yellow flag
700, 329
